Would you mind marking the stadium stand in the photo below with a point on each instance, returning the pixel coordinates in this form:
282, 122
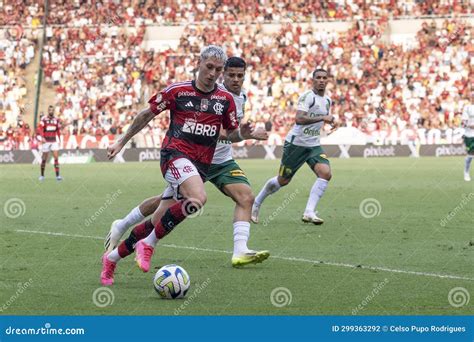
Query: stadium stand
15, 55
172, 12
101, 74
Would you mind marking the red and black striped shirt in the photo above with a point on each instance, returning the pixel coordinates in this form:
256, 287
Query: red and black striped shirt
50, 128
196, 118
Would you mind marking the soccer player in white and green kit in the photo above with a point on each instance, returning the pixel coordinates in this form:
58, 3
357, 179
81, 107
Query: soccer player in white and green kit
302, 145
468, 124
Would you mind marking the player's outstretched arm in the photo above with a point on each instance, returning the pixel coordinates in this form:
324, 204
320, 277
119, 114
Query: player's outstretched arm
302, 118
245, 132
140, 121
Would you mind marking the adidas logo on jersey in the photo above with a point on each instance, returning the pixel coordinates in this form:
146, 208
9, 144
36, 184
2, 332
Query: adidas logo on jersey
189, 104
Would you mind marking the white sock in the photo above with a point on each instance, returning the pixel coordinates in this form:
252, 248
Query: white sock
151, 240
317, 191
467, 165
270, 187
241, 236
133, 217
114, 256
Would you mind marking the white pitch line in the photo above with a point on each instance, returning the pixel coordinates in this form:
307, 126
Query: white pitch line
329, 263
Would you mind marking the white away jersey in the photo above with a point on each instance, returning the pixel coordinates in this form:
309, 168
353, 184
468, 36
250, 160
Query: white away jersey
468, 116
223, 150
314, 105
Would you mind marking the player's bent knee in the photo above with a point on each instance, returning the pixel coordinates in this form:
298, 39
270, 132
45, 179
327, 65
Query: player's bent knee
245, 199
327, 176
198, 199
283, 181
323, 171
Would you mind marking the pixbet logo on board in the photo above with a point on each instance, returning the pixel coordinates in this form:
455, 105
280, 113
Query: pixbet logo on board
450, 151
379, 151
149, 155
7, 157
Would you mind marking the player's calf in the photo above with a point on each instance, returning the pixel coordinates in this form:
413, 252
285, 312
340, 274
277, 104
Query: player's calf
323, 171
271, 186
163, 225
56, 167
467, 167
127, 247
43, 166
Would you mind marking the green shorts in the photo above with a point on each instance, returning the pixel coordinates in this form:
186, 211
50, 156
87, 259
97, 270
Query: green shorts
469, 142
228, 172
294, 156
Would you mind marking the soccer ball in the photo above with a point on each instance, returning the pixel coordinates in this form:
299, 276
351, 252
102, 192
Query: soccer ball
171, 282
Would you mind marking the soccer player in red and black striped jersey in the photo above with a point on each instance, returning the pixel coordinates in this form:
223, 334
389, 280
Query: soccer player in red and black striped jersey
50, 131
198, 110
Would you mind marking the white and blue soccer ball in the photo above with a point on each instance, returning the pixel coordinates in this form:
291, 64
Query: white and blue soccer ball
171, 282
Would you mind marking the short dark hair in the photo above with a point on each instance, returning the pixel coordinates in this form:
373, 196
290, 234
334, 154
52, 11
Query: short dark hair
319, 70
235, 62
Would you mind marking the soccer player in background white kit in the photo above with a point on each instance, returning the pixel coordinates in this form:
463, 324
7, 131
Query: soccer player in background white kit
468, 124
302, 145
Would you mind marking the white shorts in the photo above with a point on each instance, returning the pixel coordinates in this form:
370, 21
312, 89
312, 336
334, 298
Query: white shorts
50, 146
178, 171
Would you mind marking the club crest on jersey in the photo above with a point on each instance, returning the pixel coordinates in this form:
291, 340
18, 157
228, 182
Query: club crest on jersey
159, 97
204, 105
218, 108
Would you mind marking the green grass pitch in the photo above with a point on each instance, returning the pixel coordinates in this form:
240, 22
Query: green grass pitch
408, 255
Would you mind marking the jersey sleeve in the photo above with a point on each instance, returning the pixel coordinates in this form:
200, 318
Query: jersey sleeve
304, 102
160, 102
230, 117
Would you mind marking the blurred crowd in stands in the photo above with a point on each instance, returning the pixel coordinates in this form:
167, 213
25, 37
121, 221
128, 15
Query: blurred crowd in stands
102, 75
182, 12
15, 56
